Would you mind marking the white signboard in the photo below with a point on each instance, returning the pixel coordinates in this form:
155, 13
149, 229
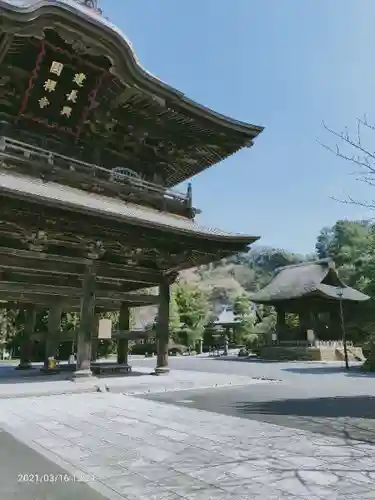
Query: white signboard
105, 329
310, 336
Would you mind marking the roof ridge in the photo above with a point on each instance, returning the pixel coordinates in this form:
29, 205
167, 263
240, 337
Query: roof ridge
328, 261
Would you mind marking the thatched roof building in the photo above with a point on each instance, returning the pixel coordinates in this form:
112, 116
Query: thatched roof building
310, 280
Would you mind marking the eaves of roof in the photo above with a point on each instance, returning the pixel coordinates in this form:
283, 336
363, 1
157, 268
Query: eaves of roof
68, 198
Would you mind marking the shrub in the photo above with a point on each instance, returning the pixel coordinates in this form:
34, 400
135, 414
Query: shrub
141, 349
177, 349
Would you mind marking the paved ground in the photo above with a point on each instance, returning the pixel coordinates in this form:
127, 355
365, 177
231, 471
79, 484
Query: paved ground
32, 383
283, 404
143, 447
302, 373
27, 475
137, 449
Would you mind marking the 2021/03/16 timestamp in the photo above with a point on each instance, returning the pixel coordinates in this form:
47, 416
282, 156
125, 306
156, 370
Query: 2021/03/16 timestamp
55, 478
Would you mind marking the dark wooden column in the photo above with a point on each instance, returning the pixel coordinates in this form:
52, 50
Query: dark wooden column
280, 323
95, 339
84, 334
162, 328
305, 323
123, 344
226, 340
26, 343
334, 331
53, 333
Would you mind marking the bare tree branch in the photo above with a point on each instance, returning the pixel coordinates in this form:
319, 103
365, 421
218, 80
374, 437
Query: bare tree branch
351, 201
365, 159
353, 159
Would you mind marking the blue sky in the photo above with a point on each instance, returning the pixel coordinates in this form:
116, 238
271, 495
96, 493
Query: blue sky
286, 65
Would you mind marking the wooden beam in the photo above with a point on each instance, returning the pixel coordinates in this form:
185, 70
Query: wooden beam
44, 263
5, 45
31, 264
42, 256
37, 291
128, 335
105, 286
64, 280
65, 306
11, 300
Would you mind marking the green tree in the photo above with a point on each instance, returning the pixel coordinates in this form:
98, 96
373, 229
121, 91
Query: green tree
193, 310
243, 311
242, 306
353, 240
344, 242
174, 318
324, 241
8, 327
267, 324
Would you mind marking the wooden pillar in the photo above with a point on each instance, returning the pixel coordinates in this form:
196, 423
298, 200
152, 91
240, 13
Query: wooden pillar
334, 329
123, 344
305, 323
226, 340
84, 334
94, 349
95, 339
199, 346
26, 343
162, 329
53, 333
280, 323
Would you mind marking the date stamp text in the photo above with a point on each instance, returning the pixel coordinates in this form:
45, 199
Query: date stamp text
32, 477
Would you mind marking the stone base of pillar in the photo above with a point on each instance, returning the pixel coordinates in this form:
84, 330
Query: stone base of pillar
162, 370
49, 371
24, 366
82, 373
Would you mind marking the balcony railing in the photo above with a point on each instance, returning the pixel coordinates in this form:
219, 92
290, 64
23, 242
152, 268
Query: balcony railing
119, 182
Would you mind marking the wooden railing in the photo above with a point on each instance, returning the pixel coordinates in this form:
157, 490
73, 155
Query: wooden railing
119, 181
329, 344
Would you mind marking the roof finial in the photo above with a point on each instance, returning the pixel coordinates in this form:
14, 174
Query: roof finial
91, 4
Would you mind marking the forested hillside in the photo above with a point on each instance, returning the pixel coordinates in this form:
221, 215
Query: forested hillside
350, 243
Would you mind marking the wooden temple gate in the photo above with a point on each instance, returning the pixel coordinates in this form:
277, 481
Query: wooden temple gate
91, 147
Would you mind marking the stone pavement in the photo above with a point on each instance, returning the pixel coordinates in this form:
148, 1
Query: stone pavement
140, 382
50, 482
131, 448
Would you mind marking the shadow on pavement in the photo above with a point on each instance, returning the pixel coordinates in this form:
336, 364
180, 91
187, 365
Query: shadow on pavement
345, 406
318, 369
346, 417
251, 359
354, 371
9, 375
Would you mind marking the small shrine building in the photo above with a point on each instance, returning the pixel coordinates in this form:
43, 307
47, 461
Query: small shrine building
313, 291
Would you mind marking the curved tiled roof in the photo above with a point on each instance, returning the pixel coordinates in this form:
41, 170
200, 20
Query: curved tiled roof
76, 199
306, 280
227, 317
37, 8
